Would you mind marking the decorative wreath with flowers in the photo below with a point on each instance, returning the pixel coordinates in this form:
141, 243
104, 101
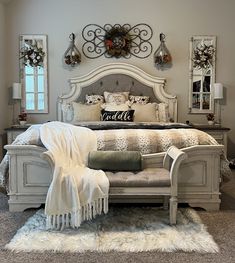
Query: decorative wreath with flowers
210, 117
22, 116
117, 42
32, 55
203, 56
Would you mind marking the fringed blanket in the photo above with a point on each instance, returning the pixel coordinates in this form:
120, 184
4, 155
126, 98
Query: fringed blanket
76, 193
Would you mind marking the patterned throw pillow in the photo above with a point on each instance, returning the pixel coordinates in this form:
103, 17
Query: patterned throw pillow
117, 97
117, 115
94, 99
139, 99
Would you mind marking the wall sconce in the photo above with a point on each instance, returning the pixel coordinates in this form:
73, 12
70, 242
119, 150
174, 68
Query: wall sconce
16, 95
162, 56
72, 56
218, 96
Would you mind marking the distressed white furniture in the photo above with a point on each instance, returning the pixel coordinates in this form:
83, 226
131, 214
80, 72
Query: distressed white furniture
199, 174
218, 132
165, 178
198, 178
14, 131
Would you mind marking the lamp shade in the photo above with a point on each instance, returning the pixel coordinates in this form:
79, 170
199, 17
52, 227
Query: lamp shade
218, 91
16, 91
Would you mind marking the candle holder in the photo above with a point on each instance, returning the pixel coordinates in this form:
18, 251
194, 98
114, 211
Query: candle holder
72, 55
162, 56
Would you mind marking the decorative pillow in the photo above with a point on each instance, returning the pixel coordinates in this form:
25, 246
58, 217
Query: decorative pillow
94, 99
115, 160
117, 115
116, 97
145, 112
139, 99
163, 112
84, 112
115, 107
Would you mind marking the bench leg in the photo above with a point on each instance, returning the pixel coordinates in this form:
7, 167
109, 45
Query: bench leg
173, 209
166, 202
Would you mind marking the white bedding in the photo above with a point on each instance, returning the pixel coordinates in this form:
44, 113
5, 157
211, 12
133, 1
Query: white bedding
76, 193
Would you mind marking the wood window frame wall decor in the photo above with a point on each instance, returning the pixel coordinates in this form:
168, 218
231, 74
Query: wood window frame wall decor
34, 73
202, 74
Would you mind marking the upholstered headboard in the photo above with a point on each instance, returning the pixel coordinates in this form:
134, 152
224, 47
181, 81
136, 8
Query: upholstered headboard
118, 77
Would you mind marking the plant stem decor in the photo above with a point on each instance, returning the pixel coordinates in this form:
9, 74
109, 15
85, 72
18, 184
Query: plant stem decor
32, 55
117, 42
203, 56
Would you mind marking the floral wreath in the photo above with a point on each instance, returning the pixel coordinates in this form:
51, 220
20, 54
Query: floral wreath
117, 42
203, 56
32, 55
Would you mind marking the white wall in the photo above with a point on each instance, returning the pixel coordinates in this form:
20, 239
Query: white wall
179, 20
3, 90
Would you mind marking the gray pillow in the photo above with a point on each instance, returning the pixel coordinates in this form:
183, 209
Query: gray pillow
115, 160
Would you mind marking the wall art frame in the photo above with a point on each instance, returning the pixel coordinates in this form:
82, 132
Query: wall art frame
202, 74
34, 75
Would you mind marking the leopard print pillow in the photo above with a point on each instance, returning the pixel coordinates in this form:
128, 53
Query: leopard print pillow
94, 99
139, 99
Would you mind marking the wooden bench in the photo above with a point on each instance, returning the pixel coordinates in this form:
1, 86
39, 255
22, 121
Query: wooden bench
162, 181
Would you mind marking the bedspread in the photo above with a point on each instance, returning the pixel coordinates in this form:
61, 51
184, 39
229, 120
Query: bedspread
150, 141
144, 140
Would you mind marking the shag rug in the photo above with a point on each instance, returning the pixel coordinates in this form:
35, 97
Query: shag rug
129, 229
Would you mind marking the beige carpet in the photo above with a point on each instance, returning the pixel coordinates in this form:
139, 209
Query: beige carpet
131, 229
221, 225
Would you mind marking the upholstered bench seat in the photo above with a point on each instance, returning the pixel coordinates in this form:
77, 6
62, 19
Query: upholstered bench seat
163, 181
149, 177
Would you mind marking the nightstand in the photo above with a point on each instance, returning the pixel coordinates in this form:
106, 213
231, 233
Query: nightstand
216, 131
14, 131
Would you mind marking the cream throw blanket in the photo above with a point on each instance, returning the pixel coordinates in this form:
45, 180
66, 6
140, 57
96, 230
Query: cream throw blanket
76, 193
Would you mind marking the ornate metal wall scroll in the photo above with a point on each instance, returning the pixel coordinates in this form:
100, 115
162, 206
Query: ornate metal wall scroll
117, 41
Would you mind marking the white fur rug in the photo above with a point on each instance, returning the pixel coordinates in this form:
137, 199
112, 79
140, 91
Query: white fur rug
130, 229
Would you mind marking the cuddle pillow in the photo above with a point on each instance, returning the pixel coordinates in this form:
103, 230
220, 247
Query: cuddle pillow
117, 115
117, 97
139, 99
145, 112
84, 112
115, 160
94, 99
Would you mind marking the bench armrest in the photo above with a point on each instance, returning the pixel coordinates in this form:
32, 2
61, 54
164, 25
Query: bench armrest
171, 162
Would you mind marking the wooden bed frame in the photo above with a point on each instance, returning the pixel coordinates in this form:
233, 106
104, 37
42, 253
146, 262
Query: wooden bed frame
199, 175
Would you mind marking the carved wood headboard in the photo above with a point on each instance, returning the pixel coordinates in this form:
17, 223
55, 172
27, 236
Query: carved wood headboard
118, 77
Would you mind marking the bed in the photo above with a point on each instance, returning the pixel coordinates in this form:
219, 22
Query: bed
199, 176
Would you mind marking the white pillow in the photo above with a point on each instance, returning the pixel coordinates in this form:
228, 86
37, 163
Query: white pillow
163, 112
145, 112
115, 107
116, 97
84, 112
